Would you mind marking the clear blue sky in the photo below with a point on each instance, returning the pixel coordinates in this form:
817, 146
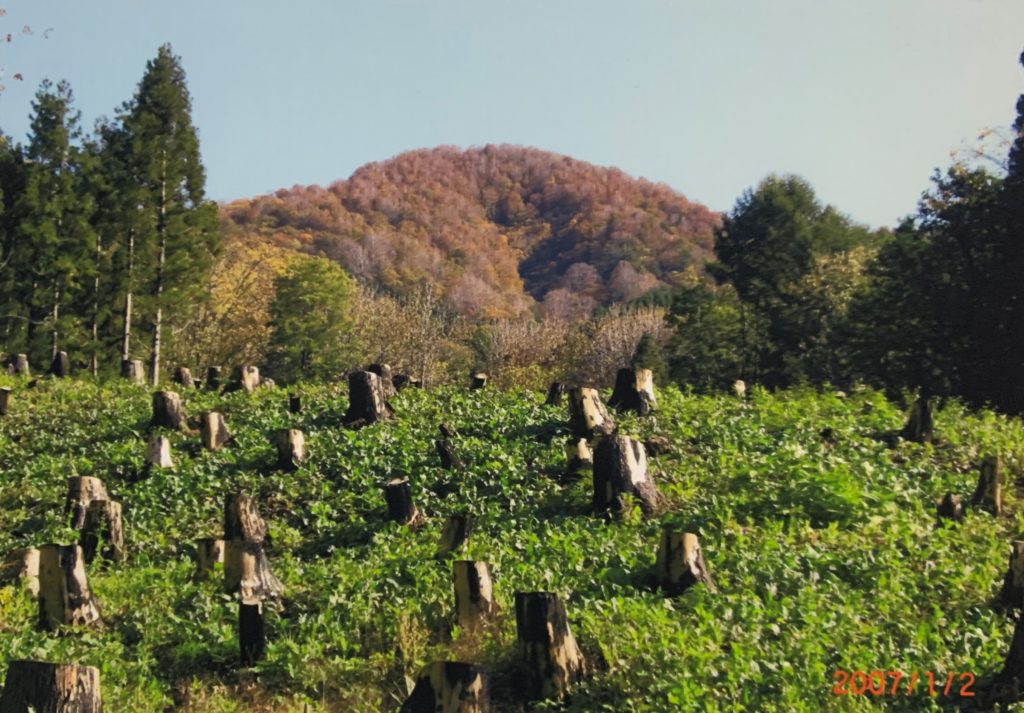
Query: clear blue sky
861, 97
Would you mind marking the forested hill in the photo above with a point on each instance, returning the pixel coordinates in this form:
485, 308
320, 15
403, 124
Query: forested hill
496, 228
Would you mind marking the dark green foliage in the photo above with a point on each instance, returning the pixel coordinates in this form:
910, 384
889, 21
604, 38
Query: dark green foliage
649, 355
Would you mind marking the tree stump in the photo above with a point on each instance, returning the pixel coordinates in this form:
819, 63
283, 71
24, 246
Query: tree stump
158, 453
291, 448
478, 380
242, 519
245, 378
919, 428
213, 377
103, 523
556, 393
168, 411
60, 367
294, 403
578, 455
82, 490
1009, 681
247, 571
402, 381
474, 594
680, 563
252, 635
454, 535
64, 594
5, 400
22, 567
367, 403
446, 452
739, 387
951, 508
37, 687
386, 378
213, 431
657, 445
989, 493
183, 376
209, 553
133, 370
587, 415
1012, 593
620, 469
449, 687
552, 657
401, 507
20, 364
634, 391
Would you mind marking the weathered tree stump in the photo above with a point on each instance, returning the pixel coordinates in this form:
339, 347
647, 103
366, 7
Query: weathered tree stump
620, 469
556, 393
103, 523
22, 567
252, 633
183, 376
247, 571
60, 367
474, 594
454, 535
657, 445
634, 391
553, 659
739, 387
478, 380
447, 430
446, 452
245, 378
158, 453
213, 377
37, 687
20, 365
242, 519
401, 507
1012, 593
587, 415
82, 490
387, 382
402, 381
1009, 682
578, 455
919, 428
291, 448
989, 493
680, 563
951, 508
5, 400
64, 594
213, 431
133, 370
367, 403
294, 403
449, 687
168, 411
209, 553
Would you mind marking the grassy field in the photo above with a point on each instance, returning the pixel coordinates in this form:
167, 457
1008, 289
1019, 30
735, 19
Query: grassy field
825, 549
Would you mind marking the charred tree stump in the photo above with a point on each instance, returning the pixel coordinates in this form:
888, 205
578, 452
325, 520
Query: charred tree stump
680, 563
449, 687
183, 376
168, 411
556, 393
578, 455
401, 507
446, 452
454, 535
1012, 593
553, 659
247, 571
133, 370
950, 508
252, 634
291, 448
82, 490
478, 380
367, 403
213, 431
989, 493
620, 469
158, 453
387, 381
20, 365
37, 687
64, 594
242, 519
209, 553
245, 378
294, 403
103, 523
474, 594
5, 400
402, 381
213, 377
634, 391
919, 428
60, 367
587, 415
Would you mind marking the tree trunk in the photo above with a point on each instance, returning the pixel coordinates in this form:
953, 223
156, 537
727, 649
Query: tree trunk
1012, 593
454, 535
291, 448
213, 375
479, 380
951, 508
158, 453
103, 523
209, 553
1008, 683
294, 403
367, 403
126, 330
252, 635
158, 284
553, 659
386, 378
989, 493
133, 370
61, 365
183, 376
168, 411
64, 594
620, 469
37, 687
556, 394
634, 391
680, 563
474, 594
94, 361
213, 431
578, 455
5, 400
919, 427
587, 415
55, 317
449, 687
247, 571
401, 508
242, 519
82, 491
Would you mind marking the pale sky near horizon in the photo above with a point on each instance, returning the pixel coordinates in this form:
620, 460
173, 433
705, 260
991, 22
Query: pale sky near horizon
863, 98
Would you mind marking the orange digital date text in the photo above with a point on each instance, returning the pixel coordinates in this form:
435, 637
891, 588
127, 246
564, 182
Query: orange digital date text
897, 683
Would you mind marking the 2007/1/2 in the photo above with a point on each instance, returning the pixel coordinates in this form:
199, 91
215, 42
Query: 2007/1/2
858, 683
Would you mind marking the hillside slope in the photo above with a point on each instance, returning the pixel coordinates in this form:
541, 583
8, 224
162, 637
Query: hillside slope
495, 228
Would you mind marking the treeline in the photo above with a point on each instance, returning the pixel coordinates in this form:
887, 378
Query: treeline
107, 238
